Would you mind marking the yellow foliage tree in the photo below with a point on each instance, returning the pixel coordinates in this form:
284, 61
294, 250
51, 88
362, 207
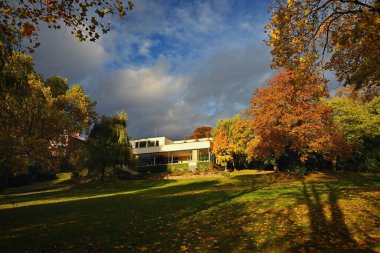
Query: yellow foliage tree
344, 36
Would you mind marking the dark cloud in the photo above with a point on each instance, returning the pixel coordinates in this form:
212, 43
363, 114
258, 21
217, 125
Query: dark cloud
219, 86
61, 54
172, 68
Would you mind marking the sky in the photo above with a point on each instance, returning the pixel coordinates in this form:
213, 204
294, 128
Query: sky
171, 65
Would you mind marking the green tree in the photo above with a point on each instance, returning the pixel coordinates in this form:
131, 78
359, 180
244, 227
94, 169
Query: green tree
305, 33
108, 145
360, 124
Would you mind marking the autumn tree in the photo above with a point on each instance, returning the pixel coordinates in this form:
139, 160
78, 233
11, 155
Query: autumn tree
73, 112
108, 145
229, 138
339, 35
201, 132
85, 19
58, 85
288, 117
34, 122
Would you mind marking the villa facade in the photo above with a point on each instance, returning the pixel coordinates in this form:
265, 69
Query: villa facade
161, 150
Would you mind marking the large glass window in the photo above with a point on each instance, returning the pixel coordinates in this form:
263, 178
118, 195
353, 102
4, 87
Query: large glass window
142, 144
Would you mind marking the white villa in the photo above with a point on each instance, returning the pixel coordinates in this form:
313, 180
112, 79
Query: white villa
161, 150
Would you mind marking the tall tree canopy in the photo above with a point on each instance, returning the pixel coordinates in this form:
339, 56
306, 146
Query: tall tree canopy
289, 117
201, 132
34, 122
85, 19
340, 35
360, 124
108, 144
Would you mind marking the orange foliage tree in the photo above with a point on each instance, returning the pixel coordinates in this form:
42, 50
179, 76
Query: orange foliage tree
201, 132
288, 116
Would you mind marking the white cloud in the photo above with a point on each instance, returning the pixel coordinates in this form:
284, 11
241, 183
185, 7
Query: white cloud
137, 87
246, 26
145, 47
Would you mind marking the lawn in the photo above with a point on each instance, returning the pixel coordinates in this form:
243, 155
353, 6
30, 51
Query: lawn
237, 212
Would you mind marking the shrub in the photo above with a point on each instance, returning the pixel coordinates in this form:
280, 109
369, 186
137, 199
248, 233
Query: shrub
174, 168
152, 169
80, 173
299, 170
178, 168
204, 166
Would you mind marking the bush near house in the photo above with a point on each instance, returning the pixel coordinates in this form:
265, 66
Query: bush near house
204, 166
175, 168
178, 168
152, 169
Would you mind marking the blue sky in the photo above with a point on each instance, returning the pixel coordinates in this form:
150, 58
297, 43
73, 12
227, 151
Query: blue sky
171, 65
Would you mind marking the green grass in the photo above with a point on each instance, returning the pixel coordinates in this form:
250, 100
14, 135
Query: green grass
241, 212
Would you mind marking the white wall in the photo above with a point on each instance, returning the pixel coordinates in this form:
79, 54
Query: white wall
175, 146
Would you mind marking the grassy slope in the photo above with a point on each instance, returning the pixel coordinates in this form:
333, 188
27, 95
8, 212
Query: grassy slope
240, 213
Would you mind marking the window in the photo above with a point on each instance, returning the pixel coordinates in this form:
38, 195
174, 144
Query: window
136, 144
142, 144
151, 143
157, 143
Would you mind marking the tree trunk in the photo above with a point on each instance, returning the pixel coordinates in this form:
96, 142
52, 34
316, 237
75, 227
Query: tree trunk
334, 164
3, 179
275, 168
103, 169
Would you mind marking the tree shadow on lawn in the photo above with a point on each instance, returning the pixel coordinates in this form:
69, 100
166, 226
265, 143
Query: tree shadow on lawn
255, 225
186, 218
328, 229
98, 223
108, 189
165, 206
92, 189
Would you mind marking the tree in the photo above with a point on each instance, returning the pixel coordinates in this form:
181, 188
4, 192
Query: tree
229, 138
360, 123
108, 145
58, 85
34, 123
85, 19
73, 112
288, 118
305, 33
201, 132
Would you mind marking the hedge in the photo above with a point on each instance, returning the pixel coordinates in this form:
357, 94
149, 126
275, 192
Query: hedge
175, 168
152, 169
178, 168
204, 166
